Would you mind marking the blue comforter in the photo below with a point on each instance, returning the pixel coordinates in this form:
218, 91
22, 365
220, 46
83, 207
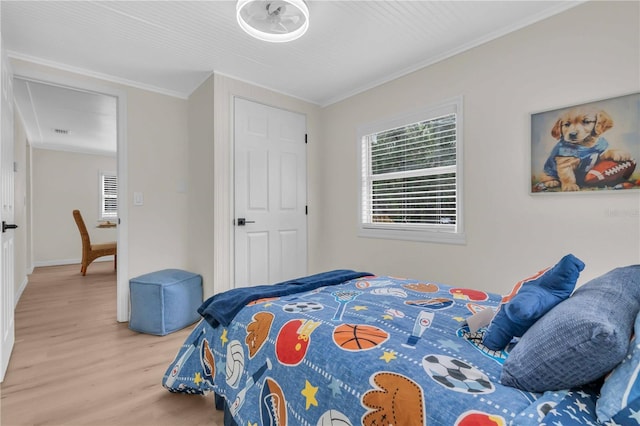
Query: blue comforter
371, 351
223, 307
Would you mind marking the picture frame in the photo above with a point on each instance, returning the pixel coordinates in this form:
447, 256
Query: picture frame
589, 147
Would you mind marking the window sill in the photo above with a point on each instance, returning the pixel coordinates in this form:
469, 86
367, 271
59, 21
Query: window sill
414, 235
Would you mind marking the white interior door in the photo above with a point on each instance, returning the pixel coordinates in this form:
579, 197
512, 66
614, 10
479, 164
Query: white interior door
6, 215
270, 194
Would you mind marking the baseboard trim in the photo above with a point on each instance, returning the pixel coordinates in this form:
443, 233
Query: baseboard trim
60, 262
18, 294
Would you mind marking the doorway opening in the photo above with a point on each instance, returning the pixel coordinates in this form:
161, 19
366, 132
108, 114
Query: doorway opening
81, 125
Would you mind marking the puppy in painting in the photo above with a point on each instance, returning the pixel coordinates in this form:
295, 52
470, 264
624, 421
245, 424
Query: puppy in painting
580, 146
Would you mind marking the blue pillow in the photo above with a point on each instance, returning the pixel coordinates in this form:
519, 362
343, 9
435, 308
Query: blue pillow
581, 339
533, 298
623, 384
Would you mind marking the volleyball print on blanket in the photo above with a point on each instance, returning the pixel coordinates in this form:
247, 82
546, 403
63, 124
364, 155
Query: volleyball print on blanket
333, 418
234, 364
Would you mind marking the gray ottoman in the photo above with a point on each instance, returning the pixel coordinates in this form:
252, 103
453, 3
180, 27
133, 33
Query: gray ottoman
164, 301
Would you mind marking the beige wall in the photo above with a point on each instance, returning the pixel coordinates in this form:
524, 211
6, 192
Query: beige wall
62, 182
157, 135
587, 53
157, 132
201, 177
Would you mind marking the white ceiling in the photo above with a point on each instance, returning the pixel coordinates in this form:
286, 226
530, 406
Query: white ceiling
172, 46
67, 120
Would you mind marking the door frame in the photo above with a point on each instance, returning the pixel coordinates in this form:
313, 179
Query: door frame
7, 263
232, 206
225, 89
69, 82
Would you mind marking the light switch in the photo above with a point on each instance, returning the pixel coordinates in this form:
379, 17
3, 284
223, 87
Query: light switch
138, 199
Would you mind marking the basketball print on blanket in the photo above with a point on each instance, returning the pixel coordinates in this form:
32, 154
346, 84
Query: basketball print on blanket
358, 337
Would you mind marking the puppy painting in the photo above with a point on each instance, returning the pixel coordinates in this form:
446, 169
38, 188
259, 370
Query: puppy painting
582, 151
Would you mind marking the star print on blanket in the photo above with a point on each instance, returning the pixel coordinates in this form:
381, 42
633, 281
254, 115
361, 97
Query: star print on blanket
565, 408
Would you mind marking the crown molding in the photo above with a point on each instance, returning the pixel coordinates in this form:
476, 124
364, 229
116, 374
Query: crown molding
97, 75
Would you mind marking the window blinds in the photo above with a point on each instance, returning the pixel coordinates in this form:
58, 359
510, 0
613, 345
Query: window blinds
109, 205
410, 174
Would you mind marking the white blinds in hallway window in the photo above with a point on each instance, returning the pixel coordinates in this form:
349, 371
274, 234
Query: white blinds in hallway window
410, 174
109, 195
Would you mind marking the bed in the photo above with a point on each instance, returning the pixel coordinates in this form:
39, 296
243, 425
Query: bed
349, 348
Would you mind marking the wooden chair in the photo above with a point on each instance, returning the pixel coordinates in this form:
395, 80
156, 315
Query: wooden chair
91, 252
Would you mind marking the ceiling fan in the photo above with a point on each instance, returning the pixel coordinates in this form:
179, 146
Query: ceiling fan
273, 20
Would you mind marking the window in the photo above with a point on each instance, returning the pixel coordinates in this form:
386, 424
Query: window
411, 176
108, 195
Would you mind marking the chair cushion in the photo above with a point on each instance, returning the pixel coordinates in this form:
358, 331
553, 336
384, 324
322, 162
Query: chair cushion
579, 340
104, 246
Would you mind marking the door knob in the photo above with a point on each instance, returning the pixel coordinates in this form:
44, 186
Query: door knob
6, 226
242, 221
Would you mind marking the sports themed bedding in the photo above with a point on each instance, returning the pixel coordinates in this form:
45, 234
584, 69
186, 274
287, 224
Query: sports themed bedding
372, 350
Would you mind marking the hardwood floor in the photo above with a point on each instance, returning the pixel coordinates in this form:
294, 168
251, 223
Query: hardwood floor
74, 365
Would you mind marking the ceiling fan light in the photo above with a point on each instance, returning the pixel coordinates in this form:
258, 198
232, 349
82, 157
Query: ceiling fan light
261, 32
